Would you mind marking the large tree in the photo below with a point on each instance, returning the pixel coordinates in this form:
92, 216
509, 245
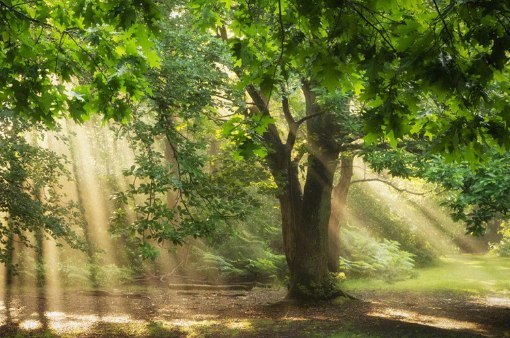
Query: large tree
433, 69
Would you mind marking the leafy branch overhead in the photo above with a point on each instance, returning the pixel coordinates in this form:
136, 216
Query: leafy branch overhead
75, 57
437, 68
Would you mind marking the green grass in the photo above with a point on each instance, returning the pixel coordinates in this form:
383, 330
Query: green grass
477, 274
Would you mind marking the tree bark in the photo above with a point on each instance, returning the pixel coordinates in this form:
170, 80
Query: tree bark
337, 218
305, 211
309, 274
9, 259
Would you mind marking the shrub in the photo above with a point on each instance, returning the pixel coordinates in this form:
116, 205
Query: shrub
268, 267
375, 215
503, 247
368, 257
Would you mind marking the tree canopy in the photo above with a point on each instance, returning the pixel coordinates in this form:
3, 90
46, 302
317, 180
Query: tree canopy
75, 58
436, 68
299, 87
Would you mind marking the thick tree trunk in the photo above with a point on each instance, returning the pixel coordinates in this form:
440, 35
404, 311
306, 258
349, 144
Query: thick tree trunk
305, 212
290, 205
337, 218
309, 274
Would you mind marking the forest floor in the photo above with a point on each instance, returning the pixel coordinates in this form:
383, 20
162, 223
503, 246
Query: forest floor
440, 302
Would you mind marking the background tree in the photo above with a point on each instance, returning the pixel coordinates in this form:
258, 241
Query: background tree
30, 200
181, 188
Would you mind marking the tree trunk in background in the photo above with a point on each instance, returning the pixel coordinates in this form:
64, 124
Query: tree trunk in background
337, 218
181, 254
172, 196
39, 258
39, 248
9, 260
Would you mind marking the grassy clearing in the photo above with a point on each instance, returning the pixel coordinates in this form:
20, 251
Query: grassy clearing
475, 274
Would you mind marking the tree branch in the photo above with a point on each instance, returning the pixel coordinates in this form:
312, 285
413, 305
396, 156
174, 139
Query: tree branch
293, 126
391, 185
23, 15
381, 32
304, 119
441, 16
286, 111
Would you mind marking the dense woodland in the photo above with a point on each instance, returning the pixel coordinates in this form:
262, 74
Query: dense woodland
304, 146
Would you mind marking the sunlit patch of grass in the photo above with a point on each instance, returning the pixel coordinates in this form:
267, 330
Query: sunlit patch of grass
460, 273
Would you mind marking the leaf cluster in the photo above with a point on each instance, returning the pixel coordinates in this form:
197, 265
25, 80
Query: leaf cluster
75, 58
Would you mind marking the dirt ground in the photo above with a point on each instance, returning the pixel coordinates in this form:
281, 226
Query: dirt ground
159, 312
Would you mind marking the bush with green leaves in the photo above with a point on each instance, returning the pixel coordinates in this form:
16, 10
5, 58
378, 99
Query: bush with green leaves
369, 257
268, 267
503, 247
375, 216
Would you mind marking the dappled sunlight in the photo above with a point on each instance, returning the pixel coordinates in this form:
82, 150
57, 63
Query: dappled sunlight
70, 323
30, 324
191, 323
61, 322
239, 325
194, 314
502, 302
418, 318
296, 319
